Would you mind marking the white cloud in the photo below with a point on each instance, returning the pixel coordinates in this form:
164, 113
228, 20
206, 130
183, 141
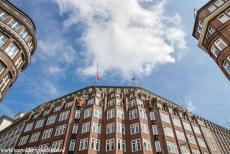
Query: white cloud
124, 36
190, 106
55, 70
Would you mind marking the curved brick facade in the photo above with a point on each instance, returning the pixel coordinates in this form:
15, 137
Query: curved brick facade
17, 44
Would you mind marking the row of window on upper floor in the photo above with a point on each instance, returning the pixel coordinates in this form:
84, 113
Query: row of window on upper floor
11, 134
216, 5
15, 25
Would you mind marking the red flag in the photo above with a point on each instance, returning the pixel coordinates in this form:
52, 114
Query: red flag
97, 75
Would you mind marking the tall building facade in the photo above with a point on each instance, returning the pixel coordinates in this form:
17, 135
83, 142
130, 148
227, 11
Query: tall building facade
212, 30
116, 120
17, 44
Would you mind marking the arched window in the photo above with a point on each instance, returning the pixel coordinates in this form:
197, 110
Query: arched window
227, 64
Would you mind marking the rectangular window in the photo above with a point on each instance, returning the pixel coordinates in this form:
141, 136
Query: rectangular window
87, 113
187, 126
154, 129
110, 144
110, 128
121, 145
228, 11
12, 50
120, 128
68, 105
191, 139
5, 82
46, 112
180, 135
72, 145
47, 133
158, 146
168, 132
201, 142
184, 149
136, 145
152, 115
223, 18
96, 128
3, 39
57, 145
221, 45
97, 113
25, 35
165, 117
134, 128
176, 122
133, 114
214, 51
142, 114
83, 144
64, 116
34, 137
110, 113
218, 3
29, 127
95, 144
75, 129
2, 67
23, 140
14, 24
60, 130
85, 127
51, 120
3, 15
147, 145
77, 114
57, 108
172, 147
144, 128
212, 8
40, 123
120, 114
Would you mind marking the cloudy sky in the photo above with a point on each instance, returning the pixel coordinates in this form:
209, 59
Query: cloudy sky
149, 38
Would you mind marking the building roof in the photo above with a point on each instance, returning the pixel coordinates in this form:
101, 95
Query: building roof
7, 118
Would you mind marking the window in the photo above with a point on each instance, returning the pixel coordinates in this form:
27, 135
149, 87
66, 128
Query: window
68, 105
144, 128
214, 51
219, 3
2, 67
29, 127
165, 117
172, 147
95, 144
96, 128
110, 128
196, 130
57, 108
133, 114
168, 132
87, 113
44, 147
23, 140
3, 39
211, 30
120, 114
147, 145
154, 129
75, 129
83, 144
158, 146
228, 11
64, 116
57, 145
227, 64
46, 112
112, 102
180, 135
142, 114
77, 114
97, 113
85, 127
3, 15
34, 137
60, 130
121, 145
152, 115
25, 35
5, 82
120, 128
47, 133
223, 18
110, 113
72, 145
176, 122
194, 151
14, 24
134, 128
221, 45
212, 8
136, 145
201, 142
110, 144
132, 103
40, 123
12, 50
51, 120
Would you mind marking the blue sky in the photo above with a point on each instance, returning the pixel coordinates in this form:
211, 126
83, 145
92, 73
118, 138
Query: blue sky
75, 37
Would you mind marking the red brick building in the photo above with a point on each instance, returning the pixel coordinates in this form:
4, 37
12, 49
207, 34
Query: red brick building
118, 120
17, 44
212, 30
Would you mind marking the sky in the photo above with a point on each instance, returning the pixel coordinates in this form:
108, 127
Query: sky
149, 38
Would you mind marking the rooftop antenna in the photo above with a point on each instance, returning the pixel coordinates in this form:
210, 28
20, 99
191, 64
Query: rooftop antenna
133, 80
183, 103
